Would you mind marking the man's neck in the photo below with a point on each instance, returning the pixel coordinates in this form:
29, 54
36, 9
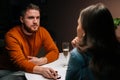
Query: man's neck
25, 31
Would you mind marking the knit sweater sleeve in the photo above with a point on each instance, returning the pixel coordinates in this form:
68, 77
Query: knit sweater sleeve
15, 52
51, 49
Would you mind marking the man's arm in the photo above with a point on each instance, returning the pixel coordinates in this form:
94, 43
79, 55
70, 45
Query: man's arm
52, 52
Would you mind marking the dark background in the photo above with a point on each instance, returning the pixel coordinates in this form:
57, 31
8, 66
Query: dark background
59, 17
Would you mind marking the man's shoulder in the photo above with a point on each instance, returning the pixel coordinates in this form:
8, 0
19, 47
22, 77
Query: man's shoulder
42, 28
14, 30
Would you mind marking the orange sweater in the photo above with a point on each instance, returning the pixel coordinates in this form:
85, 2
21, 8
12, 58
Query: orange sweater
20, 46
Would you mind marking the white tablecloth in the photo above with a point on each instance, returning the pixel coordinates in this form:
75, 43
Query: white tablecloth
57, 65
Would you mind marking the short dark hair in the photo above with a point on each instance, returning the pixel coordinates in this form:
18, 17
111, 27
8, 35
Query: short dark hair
29, 6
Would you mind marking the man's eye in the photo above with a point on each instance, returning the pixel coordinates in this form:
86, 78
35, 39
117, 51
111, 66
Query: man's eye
30, 17
38, 17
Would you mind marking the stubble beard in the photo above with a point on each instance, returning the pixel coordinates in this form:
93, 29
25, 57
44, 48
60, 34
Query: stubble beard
32, 29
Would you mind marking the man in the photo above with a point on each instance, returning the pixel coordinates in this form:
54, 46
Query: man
25, 41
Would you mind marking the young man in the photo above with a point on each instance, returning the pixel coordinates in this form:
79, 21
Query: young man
25, 41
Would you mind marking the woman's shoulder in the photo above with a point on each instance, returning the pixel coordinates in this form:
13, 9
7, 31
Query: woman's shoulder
77, 55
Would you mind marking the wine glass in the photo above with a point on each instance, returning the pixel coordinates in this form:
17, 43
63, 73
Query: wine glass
65, 49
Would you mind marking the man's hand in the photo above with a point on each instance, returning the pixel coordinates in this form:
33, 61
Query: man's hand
46, 72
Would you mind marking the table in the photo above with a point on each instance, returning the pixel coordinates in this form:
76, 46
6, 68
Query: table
57, 65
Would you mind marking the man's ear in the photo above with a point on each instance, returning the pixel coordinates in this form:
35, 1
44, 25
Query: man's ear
21, 19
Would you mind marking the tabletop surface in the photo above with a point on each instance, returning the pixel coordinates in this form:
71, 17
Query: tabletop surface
57, 65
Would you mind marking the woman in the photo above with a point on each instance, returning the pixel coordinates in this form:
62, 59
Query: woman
96, 49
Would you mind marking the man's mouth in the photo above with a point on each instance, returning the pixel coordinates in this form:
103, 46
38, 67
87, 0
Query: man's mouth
35, 26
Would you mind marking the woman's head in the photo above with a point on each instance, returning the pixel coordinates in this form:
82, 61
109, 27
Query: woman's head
97, 24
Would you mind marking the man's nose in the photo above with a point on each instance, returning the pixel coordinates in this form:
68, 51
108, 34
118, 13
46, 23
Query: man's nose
35, 20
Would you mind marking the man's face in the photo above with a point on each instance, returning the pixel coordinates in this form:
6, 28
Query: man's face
31, 20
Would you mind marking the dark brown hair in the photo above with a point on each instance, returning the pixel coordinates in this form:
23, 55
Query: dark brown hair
97, 23
29, 6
